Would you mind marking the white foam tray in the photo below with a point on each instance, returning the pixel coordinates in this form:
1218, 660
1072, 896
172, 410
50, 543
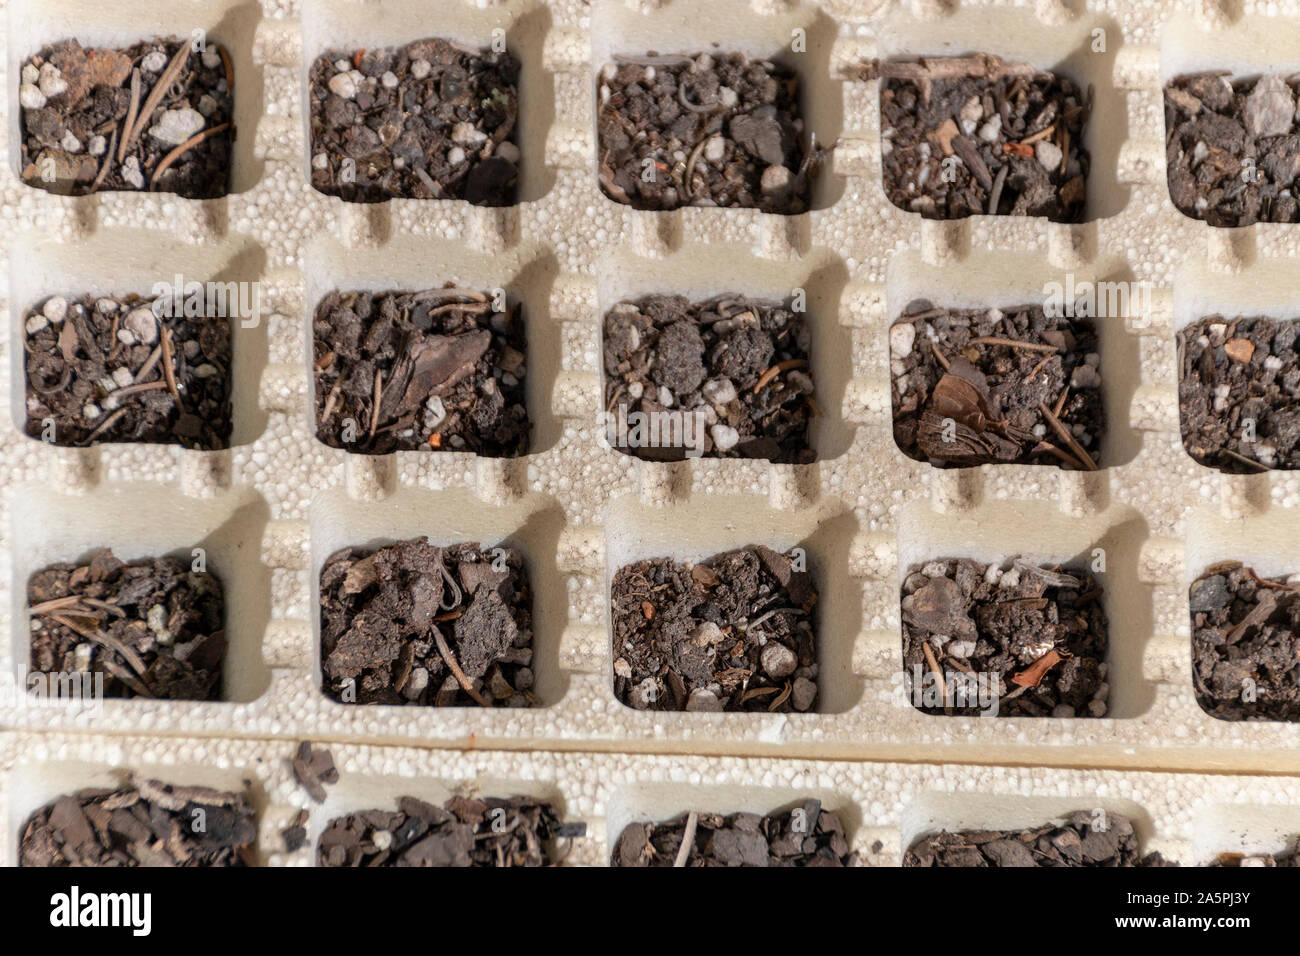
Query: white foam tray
271, 508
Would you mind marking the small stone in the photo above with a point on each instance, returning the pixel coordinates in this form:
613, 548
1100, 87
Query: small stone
1085, 376
645, 694
468, 134
803, 693
207, 105
778, 661
902, 337
388, 80
177, 126
383, 839
622, 668
37, 322
706, 634
776, 181
90, 411
420, 69
122, 377
97, 146
715, 149
991, 131
70, 143
724, 437
455, 156
55, 309
703, 700
52, 81
727, 97
435, 412
1048, 154
155, 62
31, 98
1270, 107
342, 85
31, 74
211, 58
508, 151
142, 324
719, 391
320, 161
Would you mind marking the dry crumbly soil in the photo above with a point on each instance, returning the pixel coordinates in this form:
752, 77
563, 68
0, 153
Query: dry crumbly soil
441, 369
144, 823
733, 371
1239, 393
1082, 839
464, 832
152, 628
1232, 148
733, 633
126, 369
987, 386
417, 624
712, 129
148, 117
429, 120
975, 135
1013, 641
1246, 644
804, 836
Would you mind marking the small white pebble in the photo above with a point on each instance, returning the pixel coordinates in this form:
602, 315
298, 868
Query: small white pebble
122, 376
342, 85
30, 97
37, 322
55, 309
724, 437
155, 62
420, 69
389, 80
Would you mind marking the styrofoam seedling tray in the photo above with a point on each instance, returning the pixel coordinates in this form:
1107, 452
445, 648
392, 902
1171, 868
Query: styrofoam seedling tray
33, 784
1067, 46
451, 517
619, 28
348, 25
1252, 45
1004, 280
996, 532
703, 272
33, 24
698, 530
130, 261
142, 521
1267, 287
525, 273
1264, 542
661, 803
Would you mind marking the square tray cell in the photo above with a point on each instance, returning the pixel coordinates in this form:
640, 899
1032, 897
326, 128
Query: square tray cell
153, 627
1013, 385
122, 368
195, 140
438, 369
427, 120
1232, 144
142, 521
231, 838
728, 377
1237, 381
976, 135
384, 612
157, 115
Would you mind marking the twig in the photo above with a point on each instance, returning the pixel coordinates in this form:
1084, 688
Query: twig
183, 148
104, 426
1013, 343
688, 839
107, 640
157, 93
374, 405
776, 370
947, 366
168, 373
1075, 448
108, 161
131, 113
934, 667
450, 660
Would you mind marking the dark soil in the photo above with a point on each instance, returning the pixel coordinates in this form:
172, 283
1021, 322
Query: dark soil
1077, 841
975, 135
432, 370
313, 768
147, 117
430, 120
153, 628
1013, 641
711, 129
1232, 148
733, 633
110, 370
805, 836
1239, 393
518, 831
981, 386
731, 375
144, 823
384, 612
1246, 644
